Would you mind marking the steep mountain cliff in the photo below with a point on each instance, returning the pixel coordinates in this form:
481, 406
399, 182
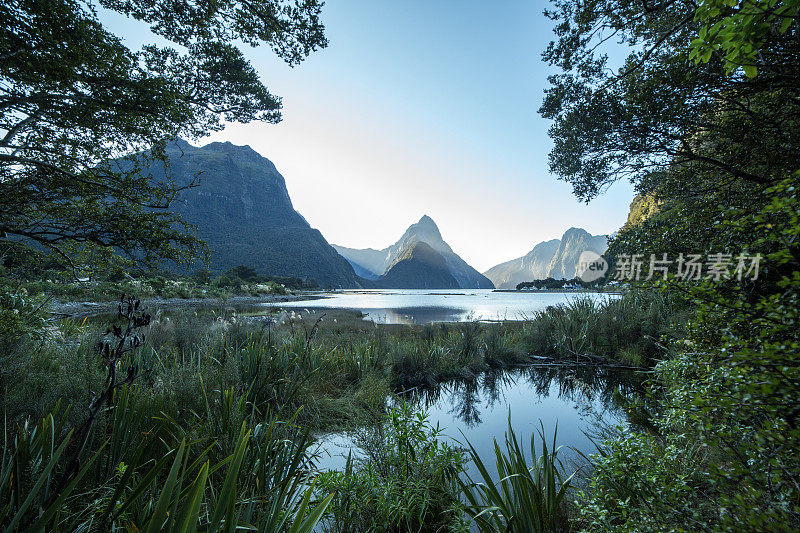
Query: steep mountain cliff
556, 259
533, 265
574, 242
377, 262
418, 266
243, 211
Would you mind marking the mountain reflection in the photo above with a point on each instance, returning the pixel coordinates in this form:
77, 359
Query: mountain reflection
585, 388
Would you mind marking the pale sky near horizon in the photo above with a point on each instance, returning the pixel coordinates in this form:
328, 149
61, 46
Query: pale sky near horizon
420, 107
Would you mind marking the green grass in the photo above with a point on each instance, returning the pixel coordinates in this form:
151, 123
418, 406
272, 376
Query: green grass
222, 396
529, 492
634, 329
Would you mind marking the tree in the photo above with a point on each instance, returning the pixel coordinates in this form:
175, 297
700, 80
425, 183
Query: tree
738, 30
661, 110
703, 118
82, 115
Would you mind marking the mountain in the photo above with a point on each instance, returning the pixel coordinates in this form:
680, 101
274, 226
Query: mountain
378, 262
418, 266
533, 265
367, 263
556, 259
242, 209
574, 242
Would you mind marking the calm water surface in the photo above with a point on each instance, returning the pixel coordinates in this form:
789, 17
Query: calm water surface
580, 401
423, 306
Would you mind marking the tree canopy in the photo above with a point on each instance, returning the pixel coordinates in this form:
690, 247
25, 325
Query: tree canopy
670, 105
703, 117
74, 97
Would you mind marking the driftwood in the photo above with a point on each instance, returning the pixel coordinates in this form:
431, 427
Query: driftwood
559, 363
589, 356
581, 359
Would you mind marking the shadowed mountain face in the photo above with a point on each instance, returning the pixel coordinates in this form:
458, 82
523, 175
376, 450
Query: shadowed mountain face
376, 263
550, 259
242, 210
418, 266
574, 242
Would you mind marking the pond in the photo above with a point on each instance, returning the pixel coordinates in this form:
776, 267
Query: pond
582, 402
423, 306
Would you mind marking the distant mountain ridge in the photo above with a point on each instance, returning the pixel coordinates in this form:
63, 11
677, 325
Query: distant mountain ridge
242, 210
556, 258
378, 263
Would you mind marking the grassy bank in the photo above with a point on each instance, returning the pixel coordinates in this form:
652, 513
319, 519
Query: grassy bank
226, 402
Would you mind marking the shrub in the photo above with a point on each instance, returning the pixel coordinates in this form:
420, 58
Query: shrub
407, 480
526, 496
22, 317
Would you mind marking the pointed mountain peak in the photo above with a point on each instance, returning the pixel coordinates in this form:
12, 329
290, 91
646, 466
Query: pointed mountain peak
426, 221
425, 230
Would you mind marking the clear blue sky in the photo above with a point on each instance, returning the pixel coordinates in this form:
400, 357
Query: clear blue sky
420, 107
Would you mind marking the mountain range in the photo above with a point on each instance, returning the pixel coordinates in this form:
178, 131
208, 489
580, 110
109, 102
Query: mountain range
377, 265
242, 210
556, 259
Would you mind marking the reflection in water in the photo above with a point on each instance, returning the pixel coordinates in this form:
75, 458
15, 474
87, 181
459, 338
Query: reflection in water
416, 306
582, 401
586, 386
416, 315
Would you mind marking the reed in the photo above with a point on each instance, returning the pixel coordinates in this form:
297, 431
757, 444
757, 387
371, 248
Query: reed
527, 495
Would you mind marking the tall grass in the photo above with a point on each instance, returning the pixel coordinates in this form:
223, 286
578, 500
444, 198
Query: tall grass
528, 495
631, 329
148, 481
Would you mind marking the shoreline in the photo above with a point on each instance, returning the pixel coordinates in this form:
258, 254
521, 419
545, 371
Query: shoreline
89, 308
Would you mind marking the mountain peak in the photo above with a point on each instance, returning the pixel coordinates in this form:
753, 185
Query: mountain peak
422, 240
426, 221
425, 230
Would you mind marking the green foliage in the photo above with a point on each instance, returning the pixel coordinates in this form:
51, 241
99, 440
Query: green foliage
633, 328
659, 112
550, 283
55, 284
738, 30
724, 455
406, 481
74, 98
261, 484
525, 496
22, 317
640, 483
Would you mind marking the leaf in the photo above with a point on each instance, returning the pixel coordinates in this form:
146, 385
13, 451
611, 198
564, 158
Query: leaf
227, 496
34, 491
156, 521
187, 521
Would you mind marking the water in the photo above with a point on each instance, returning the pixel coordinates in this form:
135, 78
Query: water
423, 306
582, 402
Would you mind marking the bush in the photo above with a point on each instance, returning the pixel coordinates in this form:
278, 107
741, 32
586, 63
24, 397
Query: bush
22, 317
407, 480
527, 496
